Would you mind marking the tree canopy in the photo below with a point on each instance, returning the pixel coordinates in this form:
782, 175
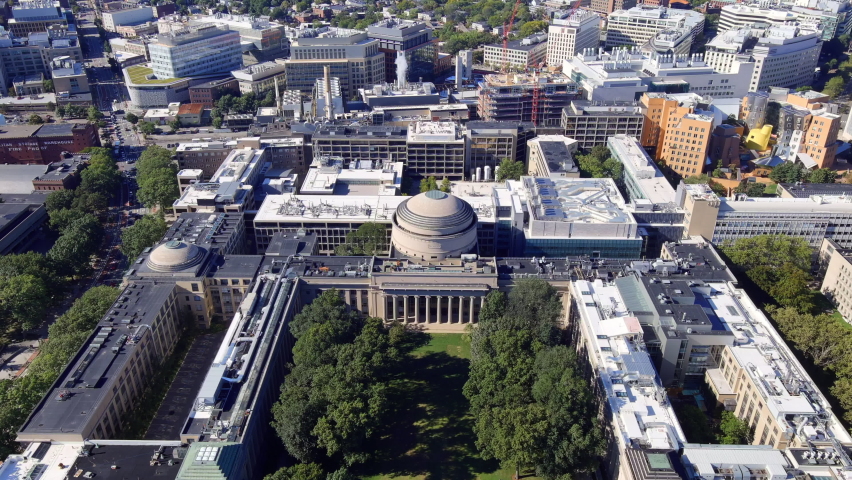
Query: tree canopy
144, 233
510, 170
530, 404
599, 164
369, 239
734, 430
717, 188
428, 184
155, 175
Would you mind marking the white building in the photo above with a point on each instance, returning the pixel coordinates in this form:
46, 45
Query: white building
256, 33
528, 52
624, 75
260, 77
332, 176
638, 25
131, 16
571, 33
784, 55
741, 15
230, 189
195, 52
552, 156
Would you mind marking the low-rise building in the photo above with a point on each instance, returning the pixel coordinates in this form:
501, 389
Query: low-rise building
260, 78
69, 76
436, 149
492, 142
44, 144
130, 16
522, 97
203, 156
208, 93
230, 190
551, 156
35, 16
190, 114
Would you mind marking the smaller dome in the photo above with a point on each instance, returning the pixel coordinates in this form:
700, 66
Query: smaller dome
174, 256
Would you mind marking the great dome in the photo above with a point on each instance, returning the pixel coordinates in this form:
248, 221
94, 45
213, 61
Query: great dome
174, 256
434, 225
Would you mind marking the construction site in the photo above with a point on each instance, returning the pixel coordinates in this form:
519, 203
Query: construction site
527, 97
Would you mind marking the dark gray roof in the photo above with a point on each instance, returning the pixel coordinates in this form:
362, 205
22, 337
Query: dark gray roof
55, 130
805, 190
237, 266
131, 461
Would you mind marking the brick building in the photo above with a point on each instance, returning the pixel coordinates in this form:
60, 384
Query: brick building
44, 144
207, 93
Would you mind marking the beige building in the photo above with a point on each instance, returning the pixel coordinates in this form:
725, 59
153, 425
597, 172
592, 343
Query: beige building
552, 156
678, 131
836, 262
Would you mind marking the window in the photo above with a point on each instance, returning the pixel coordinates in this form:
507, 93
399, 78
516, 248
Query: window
194, 287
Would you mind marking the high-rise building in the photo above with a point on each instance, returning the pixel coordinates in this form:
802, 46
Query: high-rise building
520, 54
592, 123
436, 149
492, 142
743, 15
571, 32
268, 39
464, 67
678, 131
784, 55
724, 146
351, 56
526, 98
415, 39
130, 16
805, 131
638, 25
196, 51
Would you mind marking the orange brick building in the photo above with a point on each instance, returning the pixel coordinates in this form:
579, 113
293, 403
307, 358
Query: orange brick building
677, 133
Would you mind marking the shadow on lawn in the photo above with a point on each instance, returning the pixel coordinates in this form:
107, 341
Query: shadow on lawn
433, 435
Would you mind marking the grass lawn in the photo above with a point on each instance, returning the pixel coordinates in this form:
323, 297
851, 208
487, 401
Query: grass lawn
433, 435
771, 189
137, 74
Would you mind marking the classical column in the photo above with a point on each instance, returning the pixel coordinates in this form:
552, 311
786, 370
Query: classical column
461, 309
428, 309
405, 309
470, 319
438, 311
417, 309
395, 310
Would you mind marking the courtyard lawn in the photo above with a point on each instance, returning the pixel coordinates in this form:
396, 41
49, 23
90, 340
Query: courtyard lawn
433, 435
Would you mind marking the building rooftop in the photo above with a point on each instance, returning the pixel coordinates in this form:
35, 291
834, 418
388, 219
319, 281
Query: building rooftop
525, 44
806, 190
18, 179
329, 177
191, 109
71, 404
581, 201
433, 132
825, 203
654, 186
143, 74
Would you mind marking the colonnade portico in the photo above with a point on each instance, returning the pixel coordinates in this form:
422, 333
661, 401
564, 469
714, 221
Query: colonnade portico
433, 308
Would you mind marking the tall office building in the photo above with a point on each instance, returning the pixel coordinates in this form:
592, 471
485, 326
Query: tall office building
526, 98
415, 39
436, 149
784, 55
570, 33
268, 39
592, 123
523, 54
351, 56
491, 142
678, 131
35, 16
638, 25
195, 52
742, 15
605, 7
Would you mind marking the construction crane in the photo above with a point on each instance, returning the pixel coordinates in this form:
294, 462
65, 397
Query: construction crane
507, 28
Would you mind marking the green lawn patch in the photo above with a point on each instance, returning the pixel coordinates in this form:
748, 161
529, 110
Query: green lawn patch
432, 436
771, 189
452, 344
139, 73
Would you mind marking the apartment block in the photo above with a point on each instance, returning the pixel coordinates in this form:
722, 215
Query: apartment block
416, 40
492, 142
678, 131
592, 123
351, 56
538, 99
638, 25
519, 55
195, 52
436, 149
571, 32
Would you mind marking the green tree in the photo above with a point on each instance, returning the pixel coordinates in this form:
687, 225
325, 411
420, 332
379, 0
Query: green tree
22, 301
141, 235
175, 125
301, 471
752, 189
59, 199
787, 172
147, 128
734, 430
835, 86
35, 120
132, 118
217, 122
100, 179
772, 251
532, 27
806, 88
94, 114
822, 175
428, 184
158, 188
88, 201
446, 185
694, 424
73, 249
369, 239
509, 170
64, 218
